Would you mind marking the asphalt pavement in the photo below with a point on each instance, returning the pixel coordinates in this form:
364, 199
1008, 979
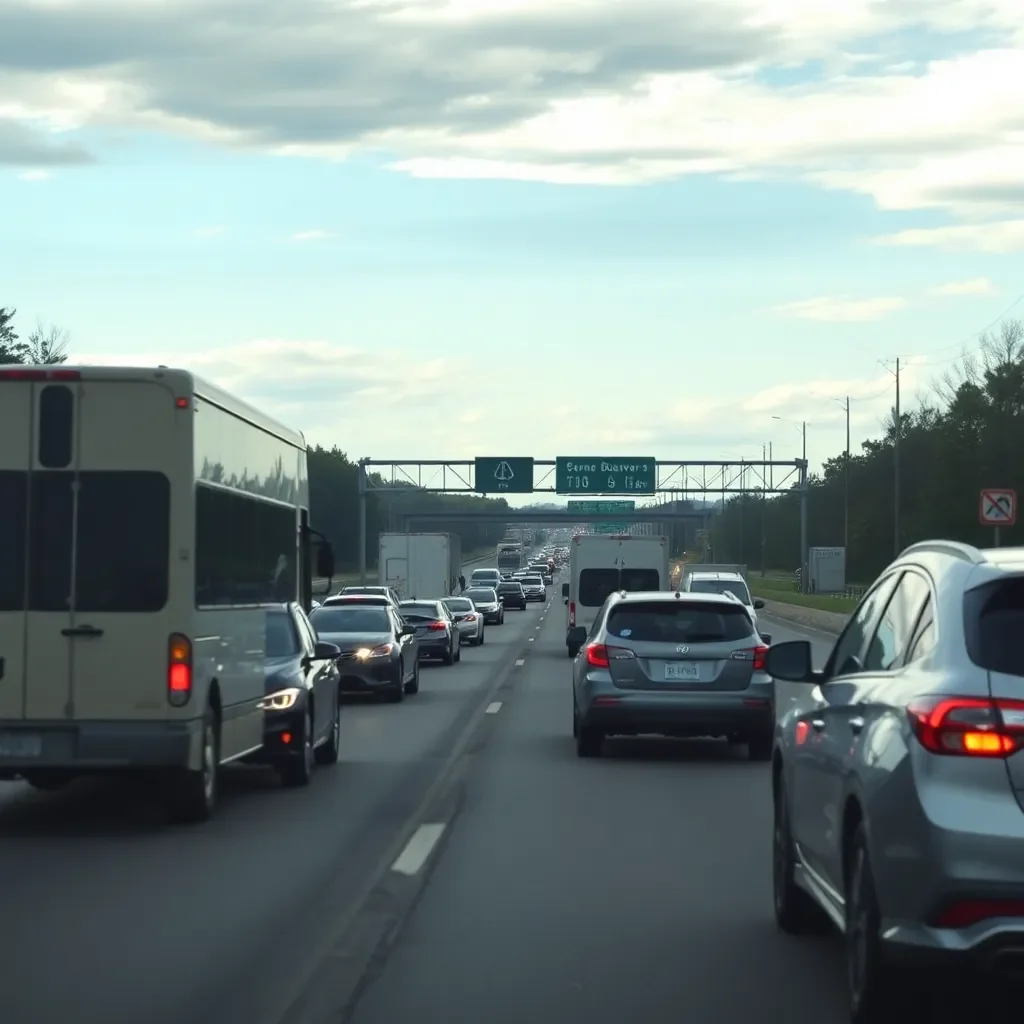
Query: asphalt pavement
635, 887
109, 914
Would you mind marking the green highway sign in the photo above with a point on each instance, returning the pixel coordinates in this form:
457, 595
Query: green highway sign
509, 475
592, 475
592, 507
611, 527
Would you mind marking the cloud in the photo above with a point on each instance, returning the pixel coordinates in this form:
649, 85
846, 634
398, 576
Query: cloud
315, 235
840, 310
1001, 237
976, 286
22, 145
216, 231
37, 175
596, 91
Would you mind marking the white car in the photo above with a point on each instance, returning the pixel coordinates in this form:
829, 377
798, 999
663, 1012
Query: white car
469, 620
724, 583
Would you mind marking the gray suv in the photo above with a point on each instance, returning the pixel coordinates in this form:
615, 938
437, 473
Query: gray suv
671, 664
899, 780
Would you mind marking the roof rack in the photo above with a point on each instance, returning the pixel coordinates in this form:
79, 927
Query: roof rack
953, 548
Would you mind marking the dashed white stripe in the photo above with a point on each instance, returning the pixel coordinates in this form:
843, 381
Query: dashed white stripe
418, 850
493, 709
520, 661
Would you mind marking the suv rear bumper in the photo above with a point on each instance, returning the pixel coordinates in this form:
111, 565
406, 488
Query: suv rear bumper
99, 746
716, 714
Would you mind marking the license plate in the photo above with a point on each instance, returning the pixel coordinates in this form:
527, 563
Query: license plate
682, 670
20, 744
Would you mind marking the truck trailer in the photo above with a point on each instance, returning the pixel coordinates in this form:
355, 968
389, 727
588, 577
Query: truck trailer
420, 565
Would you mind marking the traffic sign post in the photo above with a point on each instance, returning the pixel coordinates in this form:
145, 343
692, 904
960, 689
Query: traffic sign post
593, 475
998, 507
509, 475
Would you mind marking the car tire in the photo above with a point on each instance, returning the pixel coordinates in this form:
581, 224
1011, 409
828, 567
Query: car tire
413, 686
329, 752
589, 741
193, 794
796, 913
575, 720
448, 658
458, 650
760, 748
879, 992
480, 638
298, 771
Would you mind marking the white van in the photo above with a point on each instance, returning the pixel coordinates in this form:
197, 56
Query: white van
599, 565
147, 521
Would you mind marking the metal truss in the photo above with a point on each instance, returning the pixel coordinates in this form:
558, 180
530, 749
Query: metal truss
733, 476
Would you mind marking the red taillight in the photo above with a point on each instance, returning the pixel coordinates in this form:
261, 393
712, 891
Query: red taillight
23, 374
181, 403
601, 655
759, 654
968, 726
965, 913
438, 625
572, 614
179, 670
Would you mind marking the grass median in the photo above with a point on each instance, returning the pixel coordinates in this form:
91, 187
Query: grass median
781, 590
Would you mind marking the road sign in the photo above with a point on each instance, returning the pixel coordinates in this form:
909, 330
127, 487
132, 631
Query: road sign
594, 507
592, 475
998, 506
509, 475
611, 527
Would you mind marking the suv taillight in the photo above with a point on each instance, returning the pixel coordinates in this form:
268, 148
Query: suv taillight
572, 614
179, 670
601, 655
968, 726
760, 653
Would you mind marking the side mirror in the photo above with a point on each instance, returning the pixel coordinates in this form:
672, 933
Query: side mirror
407, 631
565, 591
324, 651
577, 636
325, 561
790, 662
759, 603
766, 639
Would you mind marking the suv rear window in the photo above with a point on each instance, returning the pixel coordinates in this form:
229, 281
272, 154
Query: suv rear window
994, 622
679, 622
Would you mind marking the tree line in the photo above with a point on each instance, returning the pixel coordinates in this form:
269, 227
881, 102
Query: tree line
333, 479
966, 436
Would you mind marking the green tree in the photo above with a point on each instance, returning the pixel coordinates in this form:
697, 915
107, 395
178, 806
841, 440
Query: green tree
12, 350
965, 438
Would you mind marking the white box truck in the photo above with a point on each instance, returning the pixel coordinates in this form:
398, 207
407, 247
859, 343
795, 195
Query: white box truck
420, 565
600, 564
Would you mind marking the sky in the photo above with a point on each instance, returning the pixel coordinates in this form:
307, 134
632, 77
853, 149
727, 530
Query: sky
428, 230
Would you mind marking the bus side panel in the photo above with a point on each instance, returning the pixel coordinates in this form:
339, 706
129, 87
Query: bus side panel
15, 454
135, 580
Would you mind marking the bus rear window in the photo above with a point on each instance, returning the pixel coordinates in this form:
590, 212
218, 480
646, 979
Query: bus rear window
13, 496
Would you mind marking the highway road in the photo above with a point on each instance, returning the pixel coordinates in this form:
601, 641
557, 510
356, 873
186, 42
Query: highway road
106, 909
530, 884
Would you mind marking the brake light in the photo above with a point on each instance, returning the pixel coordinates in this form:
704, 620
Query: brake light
965, 913
179, 670
760, 653
601, 655
438, 625
181, 403
24, 374
572, 613
968, 726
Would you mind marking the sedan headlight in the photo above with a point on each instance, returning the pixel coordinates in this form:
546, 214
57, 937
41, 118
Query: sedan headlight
280, 701
383, 651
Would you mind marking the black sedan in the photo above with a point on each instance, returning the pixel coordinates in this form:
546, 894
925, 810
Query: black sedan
302, 720
436, 631
512, 594
379, 651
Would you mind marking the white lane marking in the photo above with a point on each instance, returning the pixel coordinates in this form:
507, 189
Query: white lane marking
520, 661
542, 618
493, 709
418, 849
532, 638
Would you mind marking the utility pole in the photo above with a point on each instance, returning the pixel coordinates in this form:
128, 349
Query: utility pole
846, 487
898, 424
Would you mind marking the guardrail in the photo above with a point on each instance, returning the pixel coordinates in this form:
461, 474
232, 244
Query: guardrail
852, 591
351, 578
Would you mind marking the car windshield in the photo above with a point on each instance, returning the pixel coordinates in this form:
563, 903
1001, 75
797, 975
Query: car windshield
350, 620
481, 596
510, 587
679, 622
459, 604
420, 610
734, 587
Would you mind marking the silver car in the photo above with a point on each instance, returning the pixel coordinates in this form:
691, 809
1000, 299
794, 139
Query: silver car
899, 780
671, 664
533, 588
486, 600
467, 618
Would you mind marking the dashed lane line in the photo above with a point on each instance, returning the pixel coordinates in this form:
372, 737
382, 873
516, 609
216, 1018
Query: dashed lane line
493, 709
419, 848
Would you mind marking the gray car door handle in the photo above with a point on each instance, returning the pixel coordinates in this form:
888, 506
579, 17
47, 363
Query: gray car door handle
856, 724
818, 724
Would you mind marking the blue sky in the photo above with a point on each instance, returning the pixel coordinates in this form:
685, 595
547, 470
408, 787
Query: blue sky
614, 229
